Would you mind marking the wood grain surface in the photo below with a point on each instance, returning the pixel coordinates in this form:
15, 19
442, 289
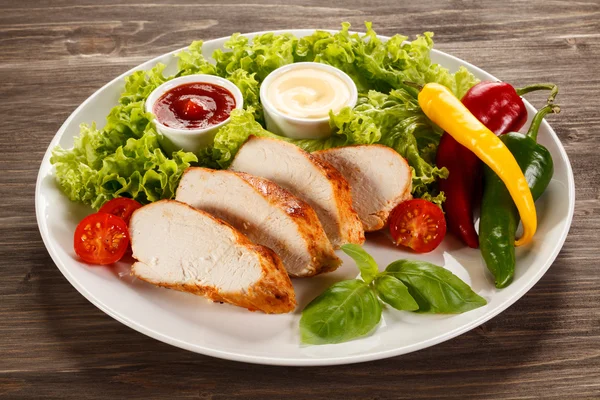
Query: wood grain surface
55, 344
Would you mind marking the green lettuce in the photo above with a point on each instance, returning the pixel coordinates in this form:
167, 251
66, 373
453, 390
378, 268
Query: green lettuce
250, 89
264, 54
191, 61
93, 173
125, 159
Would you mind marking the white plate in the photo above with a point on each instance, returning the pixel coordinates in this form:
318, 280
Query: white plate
224, 331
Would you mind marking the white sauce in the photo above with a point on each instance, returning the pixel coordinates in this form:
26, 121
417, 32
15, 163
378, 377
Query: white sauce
308, 93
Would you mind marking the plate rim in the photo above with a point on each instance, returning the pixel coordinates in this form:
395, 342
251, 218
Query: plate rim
266, 360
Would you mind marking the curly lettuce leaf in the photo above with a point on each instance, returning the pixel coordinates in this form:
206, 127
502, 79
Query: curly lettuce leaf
231, 137
347, 129
191, 61
93, 172
380, 65
140, 84
261, 56
124, 158
250, 89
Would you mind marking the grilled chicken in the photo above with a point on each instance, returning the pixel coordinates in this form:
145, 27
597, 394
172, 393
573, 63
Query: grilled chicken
181, 248
379, 178
305, 176
268, 214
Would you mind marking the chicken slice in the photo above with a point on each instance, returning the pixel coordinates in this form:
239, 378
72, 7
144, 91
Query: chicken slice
181, 248
305, 176
268, 214
379, 179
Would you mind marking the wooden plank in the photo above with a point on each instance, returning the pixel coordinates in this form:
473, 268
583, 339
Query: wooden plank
55, 344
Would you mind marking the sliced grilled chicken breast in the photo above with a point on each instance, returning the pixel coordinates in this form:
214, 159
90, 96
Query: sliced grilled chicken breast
179, 247
268, 214
379, 179
309, 178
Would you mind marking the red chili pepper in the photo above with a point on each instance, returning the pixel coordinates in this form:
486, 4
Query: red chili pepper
500, 108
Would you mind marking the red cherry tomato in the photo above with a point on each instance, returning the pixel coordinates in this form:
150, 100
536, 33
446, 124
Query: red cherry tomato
101, 238
418, 224
121, 207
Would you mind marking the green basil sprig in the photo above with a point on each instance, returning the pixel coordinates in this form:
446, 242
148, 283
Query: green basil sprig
346, 310
395, 293
434, 288
351, 309
364, 261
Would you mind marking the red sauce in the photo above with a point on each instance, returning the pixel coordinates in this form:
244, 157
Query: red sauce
194, 105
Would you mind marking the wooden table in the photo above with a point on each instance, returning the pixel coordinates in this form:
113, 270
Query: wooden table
55, 344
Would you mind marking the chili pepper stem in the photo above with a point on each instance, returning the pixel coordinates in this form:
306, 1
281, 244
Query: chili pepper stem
539, 117
539, 86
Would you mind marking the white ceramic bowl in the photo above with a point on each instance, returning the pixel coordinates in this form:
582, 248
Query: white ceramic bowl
301, 128
194, 140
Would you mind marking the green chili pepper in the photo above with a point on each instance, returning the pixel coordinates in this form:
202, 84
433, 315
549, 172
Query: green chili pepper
499, 215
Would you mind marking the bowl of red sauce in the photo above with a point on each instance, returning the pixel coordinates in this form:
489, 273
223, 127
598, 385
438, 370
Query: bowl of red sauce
189, 110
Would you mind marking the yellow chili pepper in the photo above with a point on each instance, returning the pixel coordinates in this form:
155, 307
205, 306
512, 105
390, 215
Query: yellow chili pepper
444, 109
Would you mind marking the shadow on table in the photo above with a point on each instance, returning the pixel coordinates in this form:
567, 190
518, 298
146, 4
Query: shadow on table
100, 348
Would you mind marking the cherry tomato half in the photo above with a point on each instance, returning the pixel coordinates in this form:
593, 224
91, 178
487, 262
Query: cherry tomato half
121, 207
418, 224
101, 238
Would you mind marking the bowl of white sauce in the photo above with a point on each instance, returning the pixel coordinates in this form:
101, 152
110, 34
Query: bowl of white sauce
297, 99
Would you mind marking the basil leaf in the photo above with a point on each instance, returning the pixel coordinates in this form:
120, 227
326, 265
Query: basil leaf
345, 311
434, 288
395, 293
365, 263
